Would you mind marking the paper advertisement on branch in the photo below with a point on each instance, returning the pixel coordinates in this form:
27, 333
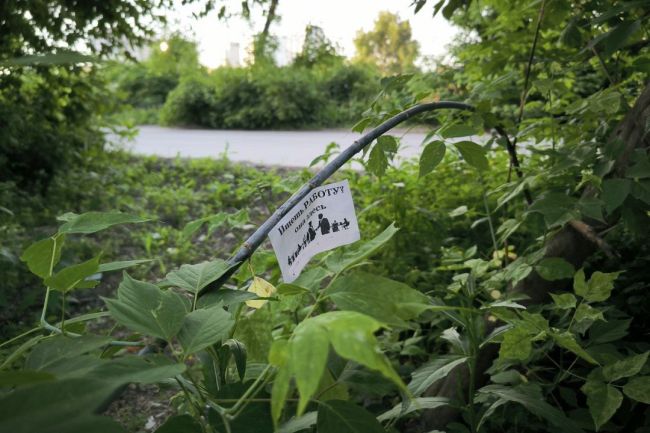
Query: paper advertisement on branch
324, 220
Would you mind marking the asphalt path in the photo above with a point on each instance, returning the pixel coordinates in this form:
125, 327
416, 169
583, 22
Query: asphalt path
273, 148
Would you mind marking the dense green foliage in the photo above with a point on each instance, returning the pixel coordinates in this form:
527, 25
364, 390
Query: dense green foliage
500, 285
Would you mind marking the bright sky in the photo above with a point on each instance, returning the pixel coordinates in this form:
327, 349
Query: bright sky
340, 19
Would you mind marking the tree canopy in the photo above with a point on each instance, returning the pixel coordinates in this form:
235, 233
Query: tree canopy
389, 44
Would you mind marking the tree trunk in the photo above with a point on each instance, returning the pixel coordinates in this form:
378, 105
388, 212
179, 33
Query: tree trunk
574, 243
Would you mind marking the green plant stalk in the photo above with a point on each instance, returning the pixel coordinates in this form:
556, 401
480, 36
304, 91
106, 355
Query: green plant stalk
489, 216
235, 410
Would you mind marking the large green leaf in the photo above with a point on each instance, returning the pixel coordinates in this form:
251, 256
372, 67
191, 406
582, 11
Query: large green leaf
554, 268
603, 401
61, 347
91, 222
351, 334
299, 423
516, 344
23, 377
41, 257
143, 307
638, 389
473, 154
614, 193
456, 130
118, 266
564, 301
309, 349
568, 341
433, 371
599, 287
225, 297
416, 404
343, 258
432, 155
627, 367
304, 357
195, 277
57, 407
338, 416
533, 403
376, 296
202, 328
73, 276
137, 369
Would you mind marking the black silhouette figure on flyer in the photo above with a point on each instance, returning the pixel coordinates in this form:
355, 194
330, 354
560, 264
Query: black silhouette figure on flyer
311, 232
325, 228
323, 224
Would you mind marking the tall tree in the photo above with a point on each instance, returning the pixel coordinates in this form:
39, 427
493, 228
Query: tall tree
316, 48
389, 44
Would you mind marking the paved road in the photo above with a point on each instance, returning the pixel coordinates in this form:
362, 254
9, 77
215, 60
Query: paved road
280, 148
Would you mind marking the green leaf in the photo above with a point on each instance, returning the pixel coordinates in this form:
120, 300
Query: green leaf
534, 404
23, 377
473, 154
137, 369
554, 268
618, 36
376, 296
615, 191
362, 124
57, 407
516, 344
557, 208
603, 401
238, 351
72, 276
196, 277
416, 404
202, 328
564, 301
343, 258
599, 287
225, 297
116, 266
61, 347
143, 307
585, 316
568, 341
286, 289
41, 257
299, 423
627, 367
91, 222
455, 130
638, 389
377, 160
606, 332
180, 424
280, 392
432, 155
338, 416
433, 371
352, 336
309, 350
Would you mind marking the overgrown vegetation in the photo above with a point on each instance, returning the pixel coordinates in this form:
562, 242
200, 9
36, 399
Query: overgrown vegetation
501, 283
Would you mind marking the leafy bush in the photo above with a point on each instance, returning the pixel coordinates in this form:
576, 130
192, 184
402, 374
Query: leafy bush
193, 102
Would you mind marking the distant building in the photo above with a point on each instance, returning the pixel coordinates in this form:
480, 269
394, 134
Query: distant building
232, 55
